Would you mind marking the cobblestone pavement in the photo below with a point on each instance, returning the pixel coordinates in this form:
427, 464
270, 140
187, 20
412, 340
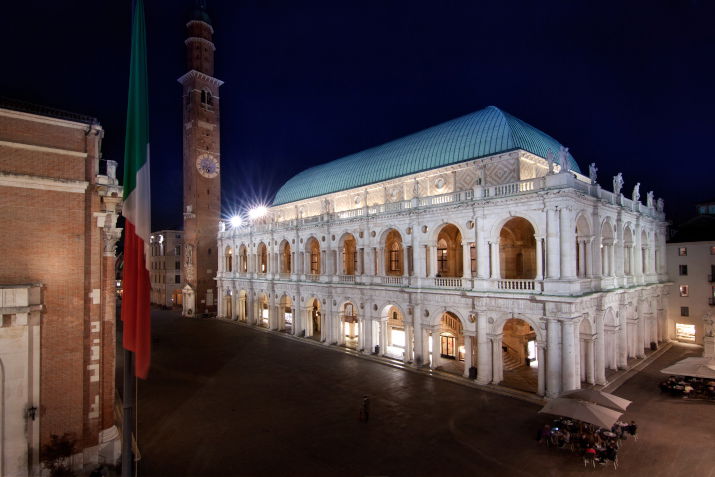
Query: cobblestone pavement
227, 400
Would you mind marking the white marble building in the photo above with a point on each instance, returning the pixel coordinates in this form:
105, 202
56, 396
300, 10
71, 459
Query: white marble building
475, 243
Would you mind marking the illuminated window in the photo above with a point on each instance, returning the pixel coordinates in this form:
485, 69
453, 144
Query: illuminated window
684, 311
314, 268
447, 346
683, 251
684, 332
442, 266
683, 290
395, 257
398, 338
682, 269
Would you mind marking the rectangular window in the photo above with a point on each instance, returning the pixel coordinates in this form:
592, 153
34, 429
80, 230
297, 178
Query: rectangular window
177, 250
442, 265
473, 258
447, 347
684, 311
177, 265
394, 260
683, 290
177, 278
314, 263
683, 251
684, 332
682, 270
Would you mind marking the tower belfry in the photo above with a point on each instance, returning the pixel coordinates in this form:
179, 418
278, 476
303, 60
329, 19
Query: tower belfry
201, 165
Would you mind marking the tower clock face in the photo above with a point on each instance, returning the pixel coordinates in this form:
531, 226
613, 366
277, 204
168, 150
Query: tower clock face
207, 166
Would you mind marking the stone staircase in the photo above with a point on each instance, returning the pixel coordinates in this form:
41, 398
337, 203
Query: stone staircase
511, 361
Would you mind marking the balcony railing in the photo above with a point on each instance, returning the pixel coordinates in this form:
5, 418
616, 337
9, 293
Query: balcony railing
284, 275
515, 284
346, 278
447, 282
312, 277
390, 280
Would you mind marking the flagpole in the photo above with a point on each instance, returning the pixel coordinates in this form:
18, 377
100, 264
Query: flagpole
128, 417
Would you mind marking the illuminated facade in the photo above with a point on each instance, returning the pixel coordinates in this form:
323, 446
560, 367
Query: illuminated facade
468, 247
165, 267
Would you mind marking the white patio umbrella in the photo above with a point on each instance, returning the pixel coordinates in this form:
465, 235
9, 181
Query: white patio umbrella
601, 398
583, 411
695, 367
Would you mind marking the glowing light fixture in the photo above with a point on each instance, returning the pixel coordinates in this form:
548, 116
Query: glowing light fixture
257, 212
236, 221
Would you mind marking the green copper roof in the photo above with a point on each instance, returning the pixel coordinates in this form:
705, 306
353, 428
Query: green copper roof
479, 134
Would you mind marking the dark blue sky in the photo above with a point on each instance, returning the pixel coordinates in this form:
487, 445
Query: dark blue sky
628, 85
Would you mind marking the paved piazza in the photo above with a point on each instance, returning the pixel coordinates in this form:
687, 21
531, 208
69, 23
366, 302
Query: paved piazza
226, 400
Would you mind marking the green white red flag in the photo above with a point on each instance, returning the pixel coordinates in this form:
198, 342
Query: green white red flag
137, 205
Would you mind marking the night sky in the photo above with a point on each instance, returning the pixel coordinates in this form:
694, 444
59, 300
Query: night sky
625, 84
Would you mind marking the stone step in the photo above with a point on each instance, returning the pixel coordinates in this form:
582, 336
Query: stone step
510, 361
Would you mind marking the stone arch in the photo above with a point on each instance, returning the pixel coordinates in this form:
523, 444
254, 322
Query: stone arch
450, 261
286, 313
243, 259
228, 303
583, 245
347, 249
312, 251
263, 311
262, 258
285, 257
518, 367
608, 240
611, 332
628, 242
517, 249
314, 322
393, 252
586, 356
349, 334
242, 305
228, 259
448, 343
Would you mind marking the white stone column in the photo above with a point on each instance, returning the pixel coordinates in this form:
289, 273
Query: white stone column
496, 267
432, 260
484, 362
408, 343
612, 259
582, 258
567, 244
600, 353
623, 333
436, 347
419, 353
383, 336
421, 261
568, 349
553, 357
553, 257
466, 260
406, 261
497, 359
482, 252
467, 354
539, 258
368, 334
590, 375
541, 358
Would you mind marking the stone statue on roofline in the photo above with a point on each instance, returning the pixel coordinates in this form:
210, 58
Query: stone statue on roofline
416, 189
550, 160
617, 184
221, 226
660, 205
637, 192
650, 197
592, 172
563, 159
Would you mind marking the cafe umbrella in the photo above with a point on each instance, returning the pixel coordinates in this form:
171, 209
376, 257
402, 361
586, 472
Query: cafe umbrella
601, 398
695, 367
583, 411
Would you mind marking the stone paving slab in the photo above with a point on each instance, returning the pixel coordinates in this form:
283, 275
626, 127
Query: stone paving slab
226, 400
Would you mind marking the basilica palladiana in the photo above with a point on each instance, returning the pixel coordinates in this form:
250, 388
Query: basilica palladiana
476, 246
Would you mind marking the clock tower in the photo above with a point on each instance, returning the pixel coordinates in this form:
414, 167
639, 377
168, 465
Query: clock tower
202, 166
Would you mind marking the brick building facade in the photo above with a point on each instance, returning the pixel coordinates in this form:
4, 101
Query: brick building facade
59, 203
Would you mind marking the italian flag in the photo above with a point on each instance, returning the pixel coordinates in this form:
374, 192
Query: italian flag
137, 205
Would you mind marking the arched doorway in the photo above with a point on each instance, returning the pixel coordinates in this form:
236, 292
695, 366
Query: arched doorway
285, 258
517, 250
262, 256
348, 250
243, 259
243, 306
314, 325
395, 332
263, 311
228, 259
393, 254
286, 314
607, 250
350, 328
450, 345
228, 304
587, 357
583, 247
519, 355
312, 250
449, 252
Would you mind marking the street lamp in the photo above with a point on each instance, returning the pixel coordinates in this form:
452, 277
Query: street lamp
236, 221
257, 212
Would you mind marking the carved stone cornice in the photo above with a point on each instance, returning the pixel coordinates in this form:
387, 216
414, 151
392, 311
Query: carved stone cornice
194, 75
